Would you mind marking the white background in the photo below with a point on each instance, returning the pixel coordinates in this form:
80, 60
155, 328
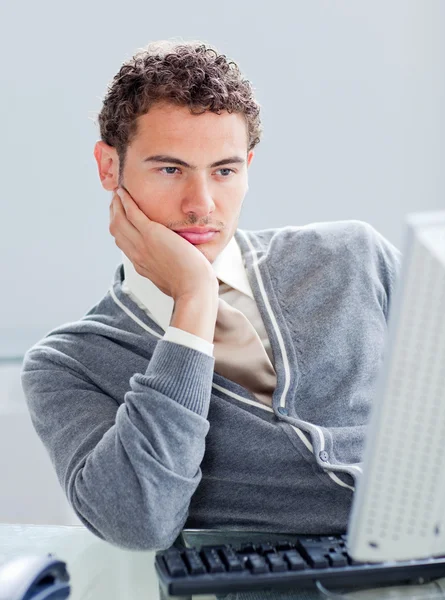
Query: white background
353, 106
353, 98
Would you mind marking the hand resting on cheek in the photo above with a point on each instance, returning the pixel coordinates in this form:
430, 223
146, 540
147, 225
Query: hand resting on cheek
173, 264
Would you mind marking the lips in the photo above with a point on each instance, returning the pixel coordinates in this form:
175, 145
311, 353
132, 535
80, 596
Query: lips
198, 238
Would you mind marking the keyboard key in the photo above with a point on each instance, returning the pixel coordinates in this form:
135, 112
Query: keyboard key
175, 566
295, 561
337, 559
313, 553
276, 563
266, 548
316, 559
285, 545
212, 561
231, 560
257, 564
194, 562
247, 549
173, 552
234, 565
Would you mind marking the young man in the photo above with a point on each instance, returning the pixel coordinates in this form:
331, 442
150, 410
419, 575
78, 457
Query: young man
225, 379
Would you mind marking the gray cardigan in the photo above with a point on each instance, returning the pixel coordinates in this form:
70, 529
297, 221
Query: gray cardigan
147, 439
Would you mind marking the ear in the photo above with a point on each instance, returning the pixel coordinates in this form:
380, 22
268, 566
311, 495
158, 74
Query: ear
107, 164
250, 157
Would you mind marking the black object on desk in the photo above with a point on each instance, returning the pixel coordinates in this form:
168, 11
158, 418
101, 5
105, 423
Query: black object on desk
277, 562
34, 577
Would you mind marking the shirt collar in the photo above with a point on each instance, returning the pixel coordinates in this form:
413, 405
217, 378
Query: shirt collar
228, 267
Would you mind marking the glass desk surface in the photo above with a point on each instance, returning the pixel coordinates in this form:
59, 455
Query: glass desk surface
100, 571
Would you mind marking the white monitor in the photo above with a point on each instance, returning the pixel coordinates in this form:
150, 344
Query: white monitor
398, 509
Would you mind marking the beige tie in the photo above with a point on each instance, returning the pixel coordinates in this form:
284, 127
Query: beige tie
239, 354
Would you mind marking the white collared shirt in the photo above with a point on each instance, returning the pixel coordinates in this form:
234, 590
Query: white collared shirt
228, 267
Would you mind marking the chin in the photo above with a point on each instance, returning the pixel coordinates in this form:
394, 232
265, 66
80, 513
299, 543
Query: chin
209, 253
213, 248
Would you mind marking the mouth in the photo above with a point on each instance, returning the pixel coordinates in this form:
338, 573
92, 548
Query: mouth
196, 237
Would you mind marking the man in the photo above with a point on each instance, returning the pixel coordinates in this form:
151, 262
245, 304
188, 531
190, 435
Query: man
225, 379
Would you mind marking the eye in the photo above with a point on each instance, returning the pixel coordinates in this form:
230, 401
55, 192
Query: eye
169, 172
228, 171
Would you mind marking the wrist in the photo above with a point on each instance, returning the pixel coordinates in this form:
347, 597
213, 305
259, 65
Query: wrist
206, 288
196, 313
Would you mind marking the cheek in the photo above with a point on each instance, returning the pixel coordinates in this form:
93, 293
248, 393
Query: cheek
156, 207
238, 190
161, 205
232, 197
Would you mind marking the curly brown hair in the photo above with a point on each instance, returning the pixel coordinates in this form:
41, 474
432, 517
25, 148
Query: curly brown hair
192, 74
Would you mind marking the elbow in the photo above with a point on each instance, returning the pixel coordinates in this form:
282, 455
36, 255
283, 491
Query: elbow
153, 541
139, 520
137, 533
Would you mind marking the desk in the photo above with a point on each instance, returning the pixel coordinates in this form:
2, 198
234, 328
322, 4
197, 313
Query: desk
100, 571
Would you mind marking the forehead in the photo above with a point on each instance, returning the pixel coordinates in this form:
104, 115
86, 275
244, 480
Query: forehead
167, 126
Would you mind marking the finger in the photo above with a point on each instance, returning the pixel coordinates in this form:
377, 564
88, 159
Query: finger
128, 238
131, 252
125, 235
121, 222
126, 246
132, 210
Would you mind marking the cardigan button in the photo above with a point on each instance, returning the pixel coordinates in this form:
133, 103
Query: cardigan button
283, 411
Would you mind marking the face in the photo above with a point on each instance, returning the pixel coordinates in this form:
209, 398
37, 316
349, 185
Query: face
185, 170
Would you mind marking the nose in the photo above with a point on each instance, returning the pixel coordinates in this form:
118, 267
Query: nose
197, 198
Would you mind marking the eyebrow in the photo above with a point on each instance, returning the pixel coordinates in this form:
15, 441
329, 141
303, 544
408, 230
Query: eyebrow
163, 158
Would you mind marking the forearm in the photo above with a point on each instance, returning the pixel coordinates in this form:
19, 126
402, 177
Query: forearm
128, 475
135, 488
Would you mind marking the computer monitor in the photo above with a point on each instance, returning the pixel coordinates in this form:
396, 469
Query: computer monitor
398, 509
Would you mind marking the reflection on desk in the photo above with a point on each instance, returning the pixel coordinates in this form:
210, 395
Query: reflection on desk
98, 571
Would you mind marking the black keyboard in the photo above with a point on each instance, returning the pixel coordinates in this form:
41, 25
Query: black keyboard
297, 562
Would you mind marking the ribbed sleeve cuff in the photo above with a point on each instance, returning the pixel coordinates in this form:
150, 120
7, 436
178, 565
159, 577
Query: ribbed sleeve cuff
179, 336
181, 373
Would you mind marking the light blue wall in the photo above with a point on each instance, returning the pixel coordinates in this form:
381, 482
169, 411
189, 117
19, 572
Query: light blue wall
353, 96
